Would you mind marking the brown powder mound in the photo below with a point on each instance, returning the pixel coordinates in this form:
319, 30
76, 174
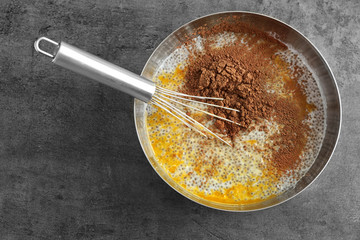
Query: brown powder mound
239, 76
220, 73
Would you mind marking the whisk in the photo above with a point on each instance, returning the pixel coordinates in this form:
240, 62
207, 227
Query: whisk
84, 63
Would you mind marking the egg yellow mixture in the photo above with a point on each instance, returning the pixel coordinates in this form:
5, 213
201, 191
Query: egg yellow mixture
210, 169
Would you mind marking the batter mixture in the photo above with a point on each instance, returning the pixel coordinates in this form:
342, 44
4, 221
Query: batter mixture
281, 117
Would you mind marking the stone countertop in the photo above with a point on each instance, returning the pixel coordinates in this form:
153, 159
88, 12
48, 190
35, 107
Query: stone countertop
71, 164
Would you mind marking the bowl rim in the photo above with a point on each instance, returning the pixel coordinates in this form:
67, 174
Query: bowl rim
327, 68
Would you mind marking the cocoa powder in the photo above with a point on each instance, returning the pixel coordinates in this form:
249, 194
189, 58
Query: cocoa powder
223, 73
239, 74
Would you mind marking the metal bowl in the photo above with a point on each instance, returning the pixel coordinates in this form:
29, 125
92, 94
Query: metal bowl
287, 35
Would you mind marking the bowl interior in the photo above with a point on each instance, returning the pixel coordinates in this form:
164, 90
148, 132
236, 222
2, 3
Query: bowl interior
286, 34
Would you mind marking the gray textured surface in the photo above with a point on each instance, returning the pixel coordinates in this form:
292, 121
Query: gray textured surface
71, 166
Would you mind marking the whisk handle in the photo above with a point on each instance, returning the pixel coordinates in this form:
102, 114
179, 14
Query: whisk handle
89, 65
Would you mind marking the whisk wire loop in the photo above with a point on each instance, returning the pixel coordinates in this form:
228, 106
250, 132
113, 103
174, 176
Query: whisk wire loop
167, 100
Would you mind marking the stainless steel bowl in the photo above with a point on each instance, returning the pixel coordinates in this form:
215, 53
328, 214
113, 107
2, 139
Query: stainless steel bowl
287, 35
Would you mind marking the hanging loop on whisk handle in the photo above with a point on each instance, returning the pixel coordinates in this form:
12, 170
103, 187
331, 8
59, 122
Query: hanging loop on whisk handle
98, 69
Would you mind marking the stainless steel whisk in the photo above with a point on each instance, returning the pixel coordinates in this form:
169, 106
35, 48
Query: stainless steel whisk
84, 63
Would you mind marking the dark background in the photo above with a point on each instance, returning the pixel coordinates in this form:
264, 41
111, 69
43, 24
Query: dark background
71, 166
